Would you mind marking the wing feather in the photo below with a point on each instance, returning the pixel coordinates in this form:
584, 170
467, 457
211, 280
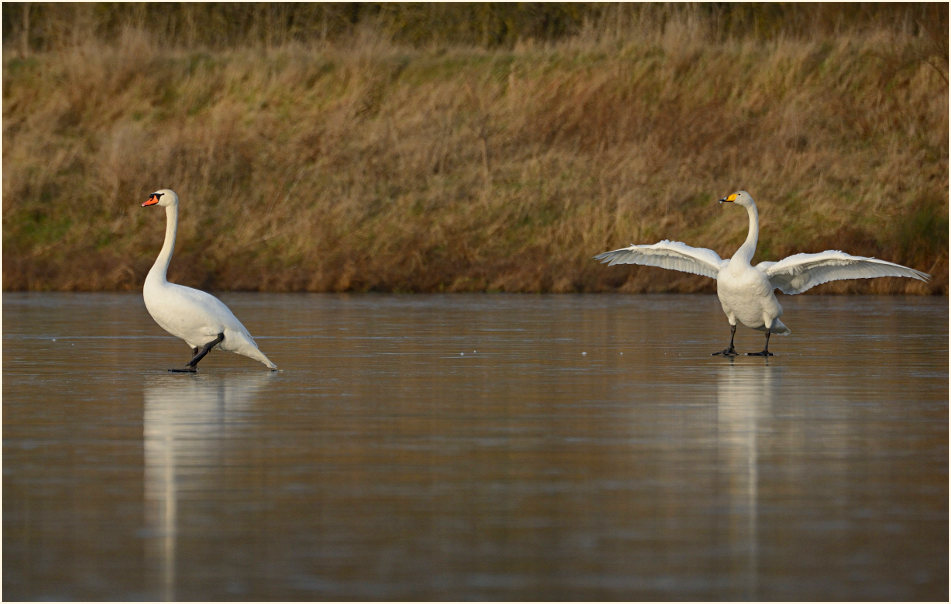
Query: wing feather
800, 272
672, 255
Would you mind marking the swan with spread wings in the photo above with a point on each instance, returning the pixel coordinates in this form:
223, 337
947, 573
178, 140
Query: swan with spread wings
746, 291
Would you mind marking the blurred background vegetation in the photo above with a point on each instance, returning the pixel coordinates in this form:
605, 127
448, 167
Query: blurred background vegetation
45, 27
466, 146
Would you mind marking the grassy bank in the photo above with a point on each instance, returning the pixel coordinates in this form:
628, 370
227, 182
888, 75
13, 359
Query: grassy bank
366, 163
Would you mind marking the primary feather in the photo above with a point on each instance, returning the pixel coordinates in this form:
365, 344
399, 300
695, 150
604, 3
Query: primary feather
672, 255
800, 272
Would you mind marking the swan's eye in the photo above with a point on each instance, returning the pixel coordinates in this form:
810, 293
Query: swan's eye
156, 196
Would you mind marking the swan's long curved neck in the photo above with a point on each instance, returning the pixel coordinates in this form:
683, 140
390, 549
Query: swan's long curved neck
159, 270
748, 248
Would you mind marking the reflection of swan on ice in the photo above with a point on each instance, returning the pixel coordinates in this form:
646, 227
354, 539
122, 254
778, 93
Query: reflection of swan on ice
199, 318
745, 291
742, 394
185, 422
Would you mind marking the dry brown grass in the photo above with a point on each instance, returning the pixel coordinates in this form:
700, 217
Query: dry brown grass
366, 165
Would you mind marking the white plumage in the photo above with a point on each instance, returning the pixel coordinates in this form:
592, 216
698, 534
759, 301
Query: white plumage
746, 292
197, 317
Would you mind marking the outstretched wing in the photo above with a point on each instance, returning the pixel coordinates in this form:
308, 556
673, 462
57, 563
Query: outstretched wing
799, 272
671, 255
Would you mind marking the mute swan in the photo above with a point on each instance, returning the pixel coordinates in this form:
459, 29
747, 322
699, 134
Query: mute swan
199, 318
745, 291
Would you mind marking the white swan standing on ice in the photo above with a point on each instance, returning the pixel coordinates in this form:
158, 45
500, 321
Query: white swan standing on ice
745, 291
199, 318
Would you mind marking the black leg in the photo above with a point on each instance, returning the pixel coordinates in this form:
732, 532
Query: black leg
765, 352
729, 352
192, 365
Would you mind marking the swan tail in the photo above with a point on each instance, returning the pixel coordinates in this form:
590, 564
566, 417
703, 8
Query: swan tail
243, 344
779, 328
257, 355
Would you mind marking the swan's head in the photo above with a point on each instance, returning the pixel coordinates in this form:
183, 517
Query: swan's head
162, 197
740, 198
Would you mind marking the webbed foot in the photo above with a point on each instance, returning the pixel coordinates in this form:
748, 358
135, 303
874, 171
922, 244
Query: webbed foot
765, 352
729, 351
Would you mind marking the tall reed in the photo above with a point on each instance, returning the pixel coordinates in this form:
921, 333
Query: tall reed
357, 160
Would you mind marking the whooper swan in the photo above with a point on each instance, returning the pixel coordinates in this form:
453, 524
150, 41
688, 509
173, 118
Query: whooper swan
199, 318
745, 291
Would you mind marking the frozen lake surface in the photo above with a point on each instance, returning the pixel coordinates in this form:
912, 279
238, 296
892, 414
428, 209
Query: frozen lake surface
477, 447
